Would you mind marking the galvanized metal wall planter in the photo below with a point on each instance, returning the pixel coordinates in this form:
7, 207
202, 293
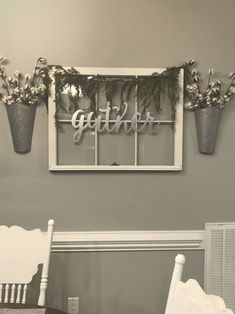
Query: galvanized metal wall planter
21, 120
207, 124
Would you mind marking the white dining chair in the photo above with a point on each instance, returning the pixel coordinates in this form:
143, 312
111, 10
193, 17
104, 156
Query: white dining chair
22, 251
189, 298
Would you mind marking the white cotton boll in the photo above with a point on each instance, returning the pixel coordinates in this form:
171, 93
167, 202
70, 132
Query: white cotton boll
208, 92
27, 77
32, 90
42, 60
231, 74
42, 73
211, 71
232, 89
188, 105
4, 99
226, 98
42, 88
36, 90
17, 73
214, 90
73, 91
80, 94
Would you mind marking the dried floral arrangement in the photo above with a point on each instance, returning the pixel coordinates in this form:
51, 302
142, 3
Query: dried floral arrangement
212, 96
23, 89
148, 88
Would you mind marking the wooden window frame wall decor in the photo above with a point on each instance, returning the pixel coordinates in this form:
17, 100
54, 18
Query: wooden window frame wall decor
177, 128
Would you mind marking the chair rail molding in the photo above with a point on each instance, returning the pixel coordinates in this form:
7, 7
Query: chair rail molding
92, 241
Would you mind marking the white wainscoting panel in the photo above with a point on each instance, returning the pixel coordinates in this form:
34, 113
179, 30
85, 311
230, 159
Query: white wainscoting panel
92, 241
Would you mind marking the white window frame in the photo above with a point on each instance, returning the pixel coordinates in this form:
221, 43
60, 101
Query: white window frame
178, 132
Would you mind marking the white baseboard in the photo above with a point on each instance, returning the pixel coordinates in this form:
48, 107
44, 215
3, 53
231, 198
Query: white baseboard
128, 241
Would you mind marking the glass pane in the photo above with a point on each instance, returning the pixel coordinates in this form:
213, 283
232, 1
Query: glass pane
158, 104
118, 91
156, 148
69, 104
70, 153
116, 148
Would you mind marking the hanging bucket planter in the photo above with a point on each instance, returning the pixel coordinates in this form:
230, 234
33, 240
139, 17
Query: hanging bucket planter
207, 124
21, 120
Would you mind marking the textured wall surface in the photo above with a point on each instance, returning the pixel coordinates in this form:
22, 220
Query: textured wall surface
124, 33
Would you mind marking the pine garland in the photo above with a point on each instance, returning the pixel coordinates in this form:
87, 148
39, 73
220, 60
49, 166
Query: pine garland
148, 88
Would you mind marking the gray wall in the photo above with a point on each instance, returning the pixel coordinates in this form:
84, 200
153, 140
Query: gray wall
117, 282
124, 33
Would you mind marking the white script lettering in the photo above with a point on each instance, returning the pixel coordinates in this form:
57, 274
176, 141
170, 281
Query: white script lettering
101, 123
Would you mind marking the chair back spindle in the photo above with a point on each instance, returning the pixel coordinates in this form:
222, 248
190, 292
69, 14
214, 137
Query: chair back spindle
176, 277
18, 293
12, 300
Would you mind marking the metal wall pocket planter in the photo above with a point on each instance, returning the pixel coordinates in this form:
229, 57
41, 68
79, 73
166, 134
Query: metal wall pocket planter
207, 124
21, 120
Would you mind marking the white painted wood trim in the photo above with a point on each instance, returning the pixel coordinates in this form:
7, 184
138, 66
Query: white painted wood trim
92, 241
178, 144
117, 71
52, 134
117, 168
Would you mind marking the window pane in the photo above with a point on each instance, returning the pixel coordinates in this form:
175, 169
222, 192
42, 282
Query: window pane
156, 148
116, 148
70, 153
159, 105
122, 90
